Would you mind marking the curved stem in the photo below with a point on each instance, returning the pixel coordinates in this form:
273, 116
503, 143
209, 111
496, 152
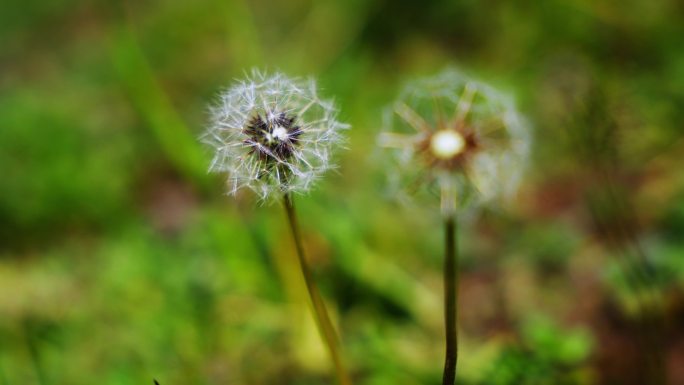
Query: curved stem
325, 327
450, 301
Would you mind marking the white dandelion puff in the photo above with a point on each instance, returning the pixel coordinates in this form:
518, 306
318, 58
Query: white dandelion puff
272, 134
455, 137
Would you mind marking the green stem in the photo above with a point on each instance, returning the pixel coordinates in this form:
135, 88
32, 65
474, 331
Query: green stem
325, 327
450, 301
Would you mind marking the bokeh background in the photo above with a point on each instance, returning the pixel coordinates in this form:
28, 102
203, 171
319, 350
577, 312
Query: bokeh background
121, 259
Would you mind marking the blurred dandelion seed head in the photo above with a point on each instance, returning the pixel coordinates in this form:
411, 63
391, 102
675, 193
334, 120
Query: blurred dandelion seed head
457, 138
272, 134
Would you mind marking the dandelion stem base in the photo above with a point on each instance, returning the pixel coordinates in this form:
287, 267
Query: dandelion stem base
450, 301
320, 312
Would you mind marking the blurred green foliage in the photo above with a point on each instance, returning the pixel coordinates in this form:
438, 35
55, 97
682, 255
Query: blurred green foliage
121, 260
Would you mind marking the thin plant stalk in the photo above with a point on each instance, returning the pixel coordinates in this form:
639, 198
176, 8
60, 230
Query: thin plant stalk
450, 300
320, 312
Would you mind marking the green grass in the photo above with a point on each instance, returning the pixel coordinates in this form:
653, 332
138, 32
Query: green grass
121, 259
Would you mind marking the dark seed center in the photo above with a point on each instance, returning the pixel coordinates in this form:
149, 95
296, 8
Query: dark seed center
273, 136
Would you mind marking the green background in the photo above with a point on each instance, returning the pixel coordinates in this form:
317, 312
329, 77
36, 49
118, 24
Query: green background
122, 260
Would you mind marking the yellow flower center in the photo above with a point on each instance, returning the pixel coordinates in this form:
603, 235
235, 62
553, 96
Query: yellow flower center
446, 144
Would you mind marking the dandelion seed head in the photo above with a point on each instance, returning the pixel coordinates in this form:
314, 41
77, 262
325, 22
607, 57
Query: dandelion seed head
272, 134
456, 138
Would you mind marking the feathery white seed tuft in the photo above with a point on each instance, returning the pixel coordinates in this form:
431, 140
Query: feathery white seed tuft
455, 137
273, 134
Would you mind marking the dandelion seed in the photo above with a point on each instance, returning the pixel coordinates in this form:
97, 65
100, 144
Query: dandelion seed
457, 137
272, 134
464, 140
